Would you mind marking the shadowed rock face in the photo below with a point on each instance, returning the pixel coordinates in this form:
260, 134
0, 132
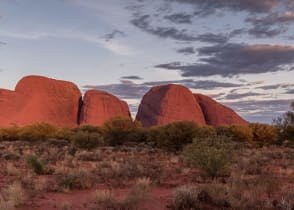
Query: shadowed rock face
40, 99
217, 114
100, 106
169, 103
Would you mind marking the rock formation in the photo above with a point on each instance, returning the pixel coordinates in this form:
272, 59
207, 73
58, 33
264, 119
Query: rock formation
40, 99
169, 103
100, 106
217, 114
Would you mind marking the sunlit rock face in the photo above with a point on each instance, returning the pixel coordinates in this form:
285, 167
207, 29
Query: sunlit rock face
169, 103
40, 99
217, 114
99, 107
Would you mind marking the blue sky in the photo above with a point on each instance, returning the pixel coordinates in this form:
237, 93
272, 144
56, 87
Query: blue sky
240, 52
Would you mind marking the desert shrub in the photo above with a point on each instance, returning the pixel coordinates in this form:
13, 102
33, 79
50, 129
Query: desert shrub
9, 134
212, 155
106, 200
263, 134
240, 133
285, 127
64, 133
37, 131
88, 128
119, 130
185, 198
206, 132
75, 179
14, 196
173, 136
36, 165
129, 169
87, 140
152, 135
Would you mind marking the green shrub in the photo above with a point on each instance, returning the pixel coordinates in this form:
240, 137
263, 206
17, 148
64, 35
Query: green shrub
206, 132
263, 134
173, 136
211, 155
36, 165
37, 132
87, 140
119, 130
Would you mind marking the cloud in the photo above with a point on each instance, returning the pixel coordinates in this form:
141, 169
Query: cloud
212, 38
132, 77
197, 84
290, 91
115, 46
261, 111
234, 59
186, 50
180, 18
127, 89
276, 86
252, 6
144, 23
122, 90
113, 34
270, 25
233, 96
2, 43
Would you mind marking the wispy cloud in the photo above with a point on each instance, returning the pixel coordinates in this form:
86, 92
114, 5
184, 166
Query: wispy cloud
115, 46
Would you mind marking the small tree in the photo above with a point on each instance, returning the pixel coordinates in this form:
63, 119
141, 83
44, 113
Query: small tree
285, 126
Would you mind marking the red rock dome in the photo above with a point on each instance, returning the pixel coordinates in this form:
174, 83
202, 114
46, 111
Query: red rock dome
217, 114
99, 106
40, 99
169, 103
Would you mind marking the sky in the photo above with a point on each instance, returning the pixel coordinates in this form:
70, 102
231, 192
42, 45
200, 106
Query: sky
239, 52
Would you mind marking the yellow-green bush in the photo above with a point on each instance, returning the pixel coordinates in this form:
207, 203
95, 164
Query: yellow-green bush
212, 156
87, 140
205, 132
240, 133
37, 131
63, 133
119, 130
173, 136
263, 134
9, 134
